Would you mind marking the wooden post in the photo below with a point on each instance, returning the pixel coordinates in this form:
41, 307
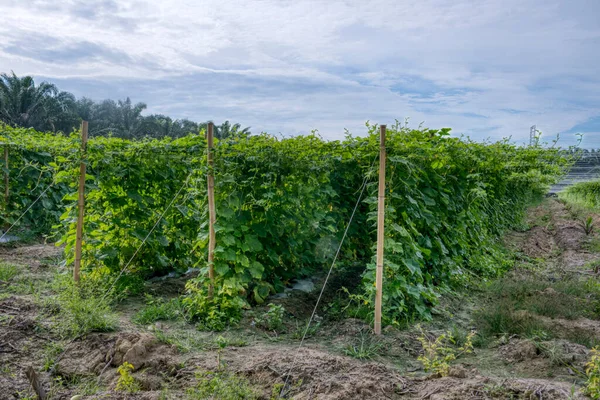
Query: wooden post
211, 208
380, 232
80, 202
6, 188
36, 383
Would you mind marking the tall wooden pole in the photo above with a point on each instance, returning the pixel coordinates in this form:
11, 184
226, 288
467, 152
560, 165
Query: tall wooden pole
211, 208
380, 231
80, 202
6, 188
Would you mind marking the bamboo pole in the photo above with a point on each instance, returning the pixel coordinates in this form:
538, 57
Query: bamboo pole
380, 231
211, 208
80, 202
6, 188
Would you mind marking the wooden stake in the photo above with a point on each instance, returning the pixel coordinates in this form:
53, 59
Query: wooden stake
6, 188
380, 231
80, 202
211, 209
36, 383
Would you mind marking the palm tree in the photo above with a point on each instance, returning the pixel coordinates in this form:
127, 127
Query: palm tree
226, 130
59, 113
130, 120
21, 102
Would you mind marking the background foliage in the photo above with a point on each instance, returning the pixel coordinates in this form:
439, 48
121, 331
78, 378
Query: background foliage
46, 108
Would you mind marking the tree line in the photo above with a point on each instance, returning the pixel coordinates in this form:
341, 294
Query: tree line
46, 108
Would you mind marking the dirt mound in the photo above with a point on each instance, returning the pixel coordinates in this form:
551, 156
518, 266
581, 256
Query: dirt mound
539, 243
480, 387
567, 352
581, 327
573, 259
318, 374
517, 350
569, 235
85, 357
97, 352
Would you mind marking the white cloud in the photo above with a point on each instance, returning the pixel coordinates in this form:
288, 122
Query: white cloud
485, 68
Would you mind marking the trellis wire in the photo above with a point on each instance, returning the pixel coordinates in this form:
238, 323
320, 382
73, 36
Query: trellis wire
362, 190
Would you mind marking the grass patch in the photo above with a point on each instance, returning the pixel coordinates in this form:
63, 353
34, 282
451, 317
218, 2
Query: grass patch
159, 310
568, 299
301, 329
84, 308
502, 319
190, 340
365, 347
8, 271
586, 339
584, 194
515, 304
221, 385
51, 352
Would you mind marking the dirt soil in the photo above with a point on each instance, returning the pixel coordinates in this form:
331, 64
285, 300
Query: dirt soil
170, 357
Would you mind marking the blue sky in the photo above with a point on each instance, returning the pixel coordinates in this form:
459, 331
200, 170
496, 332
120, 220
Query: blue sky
487, 69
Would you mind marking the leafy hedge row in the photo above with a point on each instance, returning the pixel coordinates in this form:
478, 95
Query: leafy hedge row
282, 205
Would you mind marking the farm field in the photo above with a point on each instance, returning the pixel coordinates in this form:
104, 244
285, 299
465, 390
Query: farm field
535, 328
490, 289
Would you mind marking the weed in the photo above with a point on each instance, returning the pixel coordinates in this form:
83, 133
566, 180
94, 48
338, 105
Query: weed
502, 319
300, 330
272, 319
584, 195
583, 338
221, 385
592, 371
221, 345
126, 382
365, 348
229, 341
556, 306
159, 310
51, 351
83, 309
213, 313
8, 271
588, 225
594, 266
276, 391
85, 385
185, 341
438, 354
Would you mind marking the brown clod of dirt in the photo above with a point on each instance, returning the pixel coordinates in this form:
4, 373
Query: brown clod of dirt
85, 357
458, 371
97, 351
140, 350
517, 350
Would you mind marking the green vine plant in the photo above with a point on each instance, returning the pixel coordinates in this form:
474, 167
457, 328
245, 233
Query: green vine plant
282, 207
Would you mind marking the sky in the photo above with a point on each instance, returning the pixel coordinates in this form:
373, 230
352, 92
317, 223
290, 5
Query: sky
488, 69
